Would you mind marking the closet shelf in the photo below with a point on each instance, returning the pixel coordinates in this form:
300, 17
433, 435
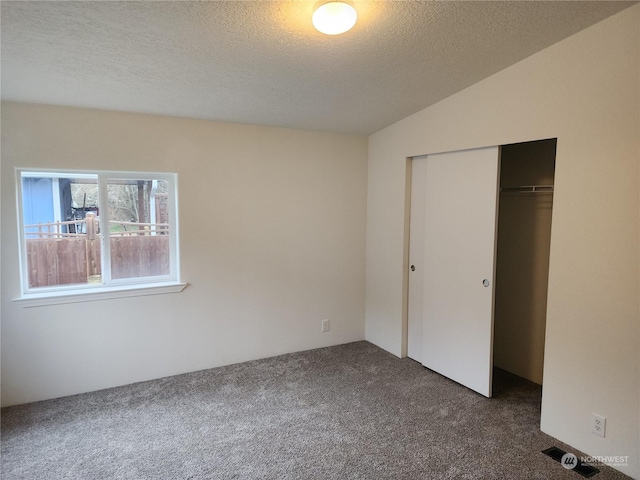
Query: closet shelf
528, 189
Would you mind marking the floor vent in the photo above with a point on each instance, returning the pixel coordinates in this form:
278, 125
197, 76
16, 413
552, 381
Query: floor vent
586, 471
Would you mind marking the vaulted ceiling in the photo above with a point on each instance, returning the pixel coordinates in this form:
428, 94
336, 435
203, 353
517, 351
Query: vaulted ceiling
262, 62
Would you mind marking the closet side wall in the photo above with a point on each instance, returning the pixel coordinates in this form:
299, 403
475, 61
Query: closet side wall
522, 260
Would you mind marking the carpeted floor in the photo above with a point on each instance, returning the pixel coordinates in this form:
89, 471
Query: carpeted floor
345, 412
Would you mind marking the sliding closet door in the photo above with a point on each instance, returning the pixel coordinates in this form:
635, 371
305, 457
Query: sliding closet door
415, 311
459, 264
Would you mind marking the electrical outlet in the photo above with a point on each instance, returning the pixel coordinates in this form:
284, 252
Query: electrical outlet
325, 325
598, 424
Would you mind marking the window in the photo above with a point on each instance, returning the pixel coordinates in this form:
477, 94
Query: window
95, 233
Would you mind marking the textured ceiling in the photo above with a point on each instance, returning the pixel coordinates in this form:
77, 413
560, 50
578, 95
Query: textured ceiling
261, 62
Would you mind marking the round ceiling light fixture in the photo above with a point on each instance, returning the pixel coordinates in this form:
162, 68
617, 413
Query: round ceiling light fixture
334, 17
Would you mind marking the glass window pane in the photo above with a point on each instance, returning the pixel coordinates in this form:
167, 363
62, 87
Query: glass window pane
138, 216
61, 229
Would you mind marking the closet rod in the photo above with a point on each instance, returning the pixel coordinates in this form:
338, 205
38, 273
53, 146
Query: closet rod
528, 189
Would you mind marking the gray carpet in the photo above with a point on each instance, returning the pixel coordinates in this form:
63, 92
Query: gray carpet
345, 412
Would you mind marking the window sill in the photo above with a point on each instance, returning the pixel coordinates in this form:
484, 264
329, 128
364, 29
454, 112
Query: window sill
105, 293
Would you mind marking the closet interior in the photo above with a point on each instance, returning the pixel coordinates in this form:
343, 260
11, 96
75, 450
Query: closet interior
522, 257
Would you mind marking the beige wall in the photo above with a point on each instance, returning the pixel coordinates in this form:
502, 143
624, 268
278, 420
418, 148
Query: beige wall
272, 231
585, 91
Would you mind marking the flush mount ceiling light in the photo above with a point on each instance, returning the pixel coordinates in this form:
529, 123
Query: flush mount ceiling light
334, 18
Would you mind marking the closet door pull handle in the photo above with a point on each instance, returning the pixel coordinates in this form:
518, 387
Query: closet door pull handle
413, 268
486, 282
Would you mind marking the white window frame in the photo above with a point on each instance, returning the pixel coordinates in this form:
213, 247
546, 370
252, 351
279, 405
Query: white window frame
110, 288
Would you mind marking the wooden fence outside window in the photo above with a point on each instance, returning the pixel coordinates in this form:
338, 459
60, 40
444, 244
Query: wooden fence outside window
65, 253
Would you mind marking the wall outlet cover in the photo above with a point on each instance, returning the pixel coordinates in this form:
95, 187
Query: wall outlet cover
598, 424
